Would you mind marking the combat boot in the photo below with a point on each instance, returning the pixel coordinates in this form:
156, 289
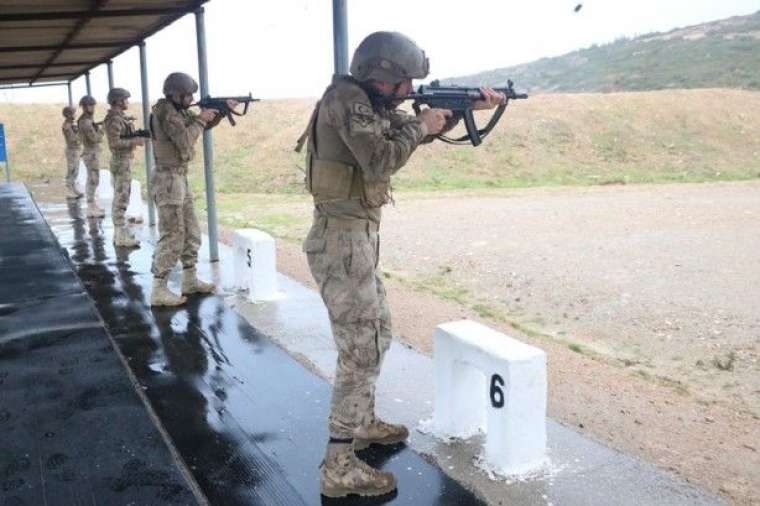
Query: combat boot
379, 432
122, 237
162, 296
191, 283
343, 473
93, 211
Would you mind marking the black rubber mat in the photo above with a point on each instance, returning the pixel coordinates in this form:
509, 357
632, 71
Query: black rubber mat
248, 419
73, 429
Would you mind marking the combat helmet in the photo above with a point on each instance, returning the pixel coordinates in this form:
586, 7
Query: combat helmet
87, 100
179, 83
115, 94
69, 111
389, 57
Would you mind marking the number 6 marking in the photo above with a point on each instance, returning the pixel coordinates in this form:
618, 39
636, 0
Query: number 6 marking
497, 394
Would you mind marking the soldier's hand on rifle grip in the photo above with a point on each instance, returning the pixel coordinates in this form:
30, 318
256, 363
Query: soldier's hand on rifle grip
491, 99
208, 115
435, 119
139, 141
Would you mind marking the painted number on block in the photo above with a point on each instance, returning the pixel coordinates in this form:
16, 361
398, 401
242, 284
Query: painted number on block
249, 255
497, 394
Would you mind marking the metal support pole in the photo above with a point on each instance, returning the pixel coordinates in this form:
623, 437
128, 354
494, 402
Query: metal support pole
87, 82
340, 36
71, 98
146, 122
208, 142
109, 64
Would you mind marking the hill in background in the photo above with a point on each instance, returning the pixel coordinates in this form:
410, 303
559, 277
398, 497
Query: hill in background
720, 54
551, 139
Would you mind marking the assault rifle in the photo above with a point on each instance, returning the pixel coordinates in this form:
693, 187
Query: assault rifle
220, 104
145, 134
460, 100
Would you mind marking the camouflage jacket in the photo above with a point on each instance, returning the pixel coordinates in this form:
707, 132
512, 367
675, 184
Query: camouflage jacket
116, 124
174, 131
373, 141
91, 134
71, 134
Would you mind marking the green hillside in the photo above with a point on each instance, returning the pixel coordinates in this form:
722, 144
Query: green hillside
720, 54
551, 139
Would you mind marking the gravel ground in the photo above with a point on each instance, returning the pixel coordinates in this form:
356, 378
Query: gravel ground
665, 278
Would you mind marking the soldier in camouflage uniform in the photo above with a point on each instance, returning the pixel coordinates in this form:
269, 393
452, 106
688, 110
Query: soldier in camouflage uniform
91, 134
175, 130
73, 152
357, 140
122, 152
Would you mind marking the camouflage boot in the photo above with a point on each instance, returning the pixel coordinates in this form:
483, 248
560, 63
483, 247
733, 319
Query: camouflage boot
191, 283
162, 296
342, 473
93, 211
122, 237
379, 432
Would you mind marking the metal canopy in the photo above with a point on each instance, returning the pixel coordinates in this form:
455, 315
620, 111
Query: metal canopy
60, 40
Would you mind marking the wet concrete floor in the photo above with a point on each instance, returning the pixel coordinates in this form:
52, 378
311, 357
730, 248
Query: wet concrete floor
73, 429
248, 420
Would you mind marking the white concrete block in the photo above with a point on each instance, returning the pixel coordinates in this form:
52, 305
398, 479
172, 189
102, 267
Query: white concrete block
135, 208
487, 381
255, 264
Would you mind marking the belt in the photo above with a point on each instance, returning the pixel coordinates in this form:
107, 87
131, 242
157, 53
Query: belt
352, 224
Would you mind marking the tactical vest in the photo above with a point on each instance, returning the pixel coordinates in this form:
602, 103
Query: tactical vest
71, 135
128, 128
166, 153
332, 173
89, 146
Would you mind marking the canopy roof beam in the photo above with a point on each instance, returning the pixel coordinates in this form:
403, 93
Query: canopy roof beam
112, 13
86, 17
91, 45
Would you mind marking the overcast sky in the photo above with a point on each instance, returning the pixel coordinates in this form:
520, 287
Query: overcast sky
283, 48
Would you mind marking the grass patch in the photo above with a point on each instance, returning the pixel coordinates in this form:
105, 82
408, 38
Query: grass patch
486, 311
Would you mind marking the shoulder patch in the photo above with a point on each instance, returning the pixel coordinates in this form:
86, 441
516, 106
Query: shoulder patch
362, 118
362, 109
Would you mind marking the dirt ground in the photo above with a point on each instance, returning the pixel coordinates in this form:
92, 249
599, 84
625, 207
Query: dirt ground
645, 299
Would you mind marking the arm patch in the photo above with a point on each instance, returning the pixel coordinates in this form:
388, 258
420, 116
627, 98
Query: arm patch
362, 118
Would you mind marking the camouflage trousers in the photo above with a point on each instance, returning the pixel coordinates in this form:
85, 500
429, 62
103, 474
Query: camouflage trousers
72, 166
343, 257
179, 235
91, 160
121, 178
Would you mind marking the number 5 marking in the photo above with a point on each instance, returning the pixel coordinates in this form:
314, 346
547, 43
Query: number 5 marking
497, 394
250, 259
